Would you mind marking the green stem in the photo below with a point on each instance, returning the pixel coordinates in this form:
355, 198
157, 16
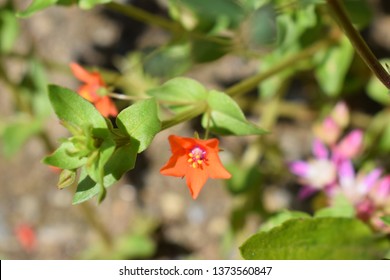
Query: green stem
357, 41
173, 27
97, 225
143, 16
253, 81
187, 115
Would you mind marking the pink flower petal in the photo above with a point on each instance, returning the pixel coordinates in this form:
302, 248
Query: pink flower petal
300, 168
346, 175
305, 192
370, 179
350, 145
319, 149
383, 189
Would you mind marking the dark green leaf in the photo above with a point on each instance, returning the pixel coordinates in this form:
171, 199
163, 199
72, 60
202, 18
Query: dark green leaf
180, 93
226, 118
319, 238
72, 108
359, 11
140, 121
205, 51
122, 160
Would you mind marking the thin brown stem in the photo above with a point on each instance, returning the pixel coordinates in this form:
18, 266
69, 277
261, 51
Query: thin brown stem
357, 41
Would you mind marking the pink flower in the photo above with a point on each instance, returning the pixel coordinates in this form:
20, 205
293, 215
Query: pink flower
328, 131
315, 174
356, 186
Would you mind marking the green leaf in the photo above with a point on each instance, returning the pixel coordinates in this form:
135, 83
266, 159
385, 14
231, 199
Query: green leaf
63, 159
376, 90
212, 11
316, 238
386, 220
282, 217
35, 6
122, 160
180, 93
169, 61
243, 177
341, 208
205, 51
140, 121
262, 27
89, 4
9, 30
72, 108
134, 246
359, 11
226, 118
333, 65
16, 133
67, 178
95, 165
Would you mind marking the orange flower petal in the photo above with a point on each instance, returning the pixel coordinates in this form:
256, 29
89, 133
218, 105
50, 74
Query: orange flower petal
176, 166
181, 144
82, 74
215, 168
88, 92
196, 178
106, 107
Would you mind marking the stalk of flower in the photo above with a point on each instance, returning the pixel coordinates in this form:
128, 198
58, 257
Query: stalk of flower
195, 159
94, 90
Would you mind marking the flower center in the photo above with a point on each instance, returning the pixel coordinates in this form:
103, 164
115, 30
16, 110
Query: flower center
321, 173
197, 157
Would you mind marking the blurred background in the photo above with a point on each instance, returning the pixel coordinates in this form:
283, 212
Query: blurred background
145, 215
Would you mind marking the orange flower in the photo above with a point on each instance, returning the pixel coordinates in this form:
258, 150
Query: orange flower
94, 89
26, 237
195, 159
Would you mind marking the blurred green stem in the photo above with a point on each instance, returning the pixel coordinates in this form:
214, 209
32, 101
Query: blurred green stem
252, 82
172, 26
100, 228
357, 41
